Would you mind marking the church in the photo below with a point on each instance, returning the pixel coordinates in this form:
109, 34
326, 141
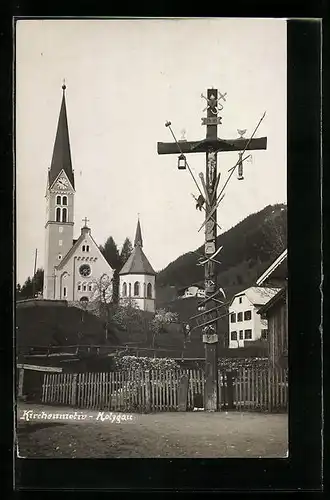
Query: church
75, 269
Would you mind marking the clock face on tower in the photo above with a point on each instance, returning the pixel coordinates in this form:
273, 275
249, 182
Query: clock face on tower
62, 183
85, 270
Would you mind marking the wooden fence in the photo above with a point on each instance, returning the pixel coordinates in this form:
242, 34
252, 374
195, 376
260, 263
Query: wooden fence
154, 390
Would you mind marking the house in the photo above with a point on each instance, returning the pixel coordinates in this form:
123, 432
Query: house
192, 291
275, 312
245, 324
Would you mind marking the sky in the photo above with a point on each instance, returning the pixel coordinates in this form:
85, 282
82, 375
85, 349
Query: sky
125, 79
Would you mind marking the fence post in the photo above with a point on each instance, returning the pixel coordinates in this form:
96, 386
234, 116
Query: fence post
230, 390
148, 391
74, 390
269, 389
20, 382
183, 393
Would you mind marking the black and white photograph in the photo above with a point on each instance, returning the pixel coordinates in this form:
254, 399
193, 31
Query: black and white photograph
151, 238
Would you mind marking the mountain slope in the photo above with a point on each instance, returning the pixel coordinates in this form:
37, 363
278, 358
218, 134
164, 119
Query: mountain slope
248, 249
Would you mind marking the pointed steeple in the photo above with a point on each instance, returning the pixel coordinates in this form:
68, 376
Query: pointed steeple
137, 262
61, 152
138, 236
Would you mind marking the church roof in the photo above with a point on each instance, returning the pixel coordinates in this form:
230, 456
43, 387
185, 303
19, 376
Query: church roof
138, 235
137, 263
61, 159
85, 232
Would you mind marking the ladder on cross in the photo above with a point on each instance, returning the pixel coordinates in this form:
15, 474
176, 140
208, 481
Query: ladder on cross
207, 317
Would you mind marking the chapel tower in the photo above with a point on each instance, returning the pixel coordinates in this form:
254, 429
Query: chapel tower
137, 277
59, 203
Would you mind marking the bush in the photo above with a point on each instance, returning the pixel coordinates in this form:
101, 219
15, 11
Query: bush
123, 362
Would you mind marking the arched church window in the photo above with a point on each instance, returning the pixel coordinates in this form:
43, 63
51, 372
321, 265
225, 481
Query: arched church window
87, 248
124, 289
64, 200
58, 200
84, 299
64, 291
64, 214
79, 287
129, 289
149, 291
90, 288
58, 215
83, 248
136, 289
84, 287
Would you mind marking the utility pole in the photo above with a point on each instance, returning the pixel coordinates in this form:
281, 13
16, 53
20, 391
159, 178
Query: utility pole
211, 145
34, 273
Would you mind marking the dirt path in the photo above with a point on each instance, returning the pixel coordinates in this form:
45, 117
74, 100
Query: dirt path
90, 434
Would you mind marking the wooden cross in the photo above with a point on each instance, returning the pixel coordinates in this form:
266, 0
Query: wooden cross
85, 220
211, 145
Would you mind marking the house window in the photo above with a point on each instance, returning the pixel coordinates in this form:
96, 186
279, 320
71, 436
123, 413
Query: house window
64, 214
241, 334
136, 289
149, 291
240, 316
240, 300
58, 200
233, 336
64, 291
124, 289
58, 215
264, 334
233, 318
64, 200
248, 334
247, 315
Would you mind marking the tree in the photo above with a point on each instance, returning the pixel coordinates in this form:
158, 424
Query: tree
116, 261
126, 251
160, 320
32, 287
111, 255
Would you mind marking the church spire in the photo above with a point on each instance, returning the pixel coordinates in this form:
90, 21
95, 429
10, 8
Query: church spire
61, 159
138, 236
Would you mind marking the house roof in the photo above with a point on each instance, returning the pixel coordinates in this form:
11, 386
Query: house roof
61, 159
279, 296
276, 269
258, 295
137, 262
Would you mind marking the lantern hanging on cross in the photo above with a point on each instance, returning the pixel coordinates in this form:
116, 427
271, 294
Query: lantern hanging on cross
182, 162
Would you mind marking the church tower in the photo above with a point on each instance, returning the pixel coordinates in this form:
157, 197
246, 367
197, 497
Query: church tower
59, 203
137, 277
